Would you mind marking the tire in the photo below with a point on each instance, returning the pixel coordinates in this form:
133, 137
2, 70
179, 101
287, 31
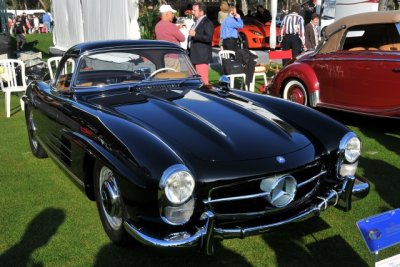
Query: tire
243, 41
296, 92
36, 148
110, 206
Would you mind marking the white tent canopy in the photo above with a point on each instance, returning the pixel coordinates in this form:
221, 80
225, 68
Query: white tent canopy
79, 21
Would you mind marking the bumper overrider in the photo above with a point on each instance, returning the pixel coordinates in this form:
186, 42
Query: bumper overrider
350, 189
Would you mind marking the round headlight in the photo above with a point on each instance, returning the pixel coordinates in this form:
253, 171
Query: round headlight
178, 183
353, 149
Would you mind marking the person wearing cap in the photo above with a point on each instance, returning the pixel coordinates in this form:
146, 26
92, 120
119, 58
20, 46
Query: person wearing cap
167, 31
200, 39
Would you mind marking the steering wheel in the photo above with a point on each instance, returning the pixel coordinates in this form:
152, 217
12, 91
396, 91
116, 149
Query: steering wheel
159, 70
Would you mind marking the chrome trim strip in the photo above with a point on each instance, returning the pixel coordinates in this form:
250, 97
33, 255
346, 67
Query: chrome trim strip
311, 179
329, 200
236, 198
204, 236
263, 194
314, 98
143, 238
361, 188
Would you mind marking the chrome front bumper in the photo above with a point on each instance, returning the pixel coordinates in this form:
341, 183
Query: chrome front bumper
352, 188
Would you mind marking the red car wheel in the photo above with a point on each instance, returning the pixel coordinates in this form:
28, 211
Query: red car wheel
296, 92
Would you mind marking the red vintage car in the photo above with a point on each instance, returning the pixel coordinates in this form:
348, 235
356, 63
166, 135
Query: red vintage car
356, 68
254, 34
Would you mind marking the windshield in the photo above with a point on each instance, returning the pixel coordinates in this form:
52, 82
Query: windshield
132, 66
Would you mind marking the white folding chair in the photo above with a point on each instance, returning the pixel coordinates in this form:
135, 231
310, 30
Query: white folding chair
53, 62
10, 82
258, 71
226, 54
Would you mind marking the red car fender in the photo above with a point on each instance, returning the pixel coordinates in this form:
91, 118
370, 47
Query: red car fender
298, 71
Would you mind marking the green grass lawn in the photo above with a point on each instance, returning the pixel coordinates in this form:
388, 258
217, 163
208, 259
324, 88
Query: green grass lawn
45, 219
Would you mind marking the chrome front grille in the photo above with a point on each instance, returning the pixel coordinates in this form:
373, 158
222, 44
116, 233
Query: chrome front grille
245, 198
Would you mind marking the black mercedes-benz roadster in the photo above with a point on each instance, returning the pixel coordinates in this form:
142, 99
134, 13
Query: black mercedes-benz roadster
174, 163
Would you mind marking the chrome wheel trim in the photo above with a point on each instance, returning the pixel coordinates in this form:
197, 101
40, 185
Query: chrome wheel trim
110, 198
32, 129
294, 84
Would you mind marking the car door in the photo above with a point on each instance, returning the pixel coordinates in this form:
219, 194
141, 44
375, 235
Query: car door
57, 103
366, 80
365, 77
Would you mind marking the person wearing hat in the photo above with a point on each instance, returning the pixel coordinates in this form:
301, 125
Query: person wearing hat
167, 31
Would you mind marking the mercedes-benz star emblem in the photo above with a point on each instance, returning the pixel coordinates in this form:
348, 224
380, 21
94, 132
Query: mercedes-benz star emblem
281, 190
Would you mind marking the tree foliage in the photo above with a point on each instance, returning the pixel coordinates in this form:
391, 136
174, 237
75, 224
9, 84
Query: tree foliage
29, 4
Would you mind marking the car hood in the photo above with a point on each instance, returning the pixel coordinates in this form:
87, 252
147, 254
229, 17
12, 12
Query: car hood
215, 127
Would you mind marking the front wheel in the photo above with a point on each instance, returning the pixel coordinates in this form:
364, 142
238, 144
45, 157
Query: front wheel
295, 91
109, 203
36, 148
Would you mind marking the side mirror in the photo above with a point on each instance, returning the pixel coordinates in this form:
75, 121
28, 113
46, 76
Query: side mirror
224, 83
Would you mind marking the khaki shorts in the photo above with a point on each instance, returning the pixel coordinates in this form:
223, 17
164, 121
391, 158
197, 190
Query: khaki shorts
21, 37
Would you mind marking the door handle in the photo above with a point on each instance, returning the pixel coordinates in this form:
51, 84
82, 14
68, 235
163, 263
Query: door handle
396, 70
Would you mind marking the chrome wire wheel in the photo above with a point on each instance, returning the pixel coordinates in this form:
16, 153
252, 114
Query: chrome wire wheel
110, 198
296, 92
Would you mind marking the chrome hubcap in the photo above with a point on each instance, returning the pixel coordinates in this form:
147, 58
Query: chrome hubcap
32, 129
110, 198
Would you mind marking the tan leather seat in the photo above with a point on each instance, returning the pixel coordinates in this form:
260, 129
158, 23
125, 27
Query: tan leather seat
357, 48
171, 75
390, 47
85, 84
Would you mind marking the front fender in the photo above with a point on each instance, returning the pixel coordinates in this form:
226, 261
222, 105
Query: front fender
299, 71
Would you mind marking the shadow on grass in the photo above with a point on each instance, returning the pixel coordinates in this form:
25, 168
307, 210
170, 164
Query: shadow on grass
381, 173
290, 249
140, 255
385, 177
33, 43
383, 131
371, 125
38, 233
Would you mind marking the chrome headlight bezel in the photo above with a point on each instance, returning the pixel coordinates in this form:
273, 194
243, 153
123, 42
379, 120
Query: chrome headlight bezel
175, 176
348, 155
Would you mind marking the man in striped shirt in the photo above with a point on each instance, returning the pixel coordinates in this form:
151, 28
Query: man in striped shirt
292, 32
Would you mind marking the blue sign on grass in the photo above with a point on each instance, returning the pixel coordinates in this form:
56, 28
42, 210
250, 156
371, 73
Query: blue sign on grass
381, 231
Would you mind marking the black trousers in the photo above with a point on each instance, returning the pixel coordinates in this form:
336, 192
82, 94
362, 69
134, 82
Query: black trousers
291, 41
230, 44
